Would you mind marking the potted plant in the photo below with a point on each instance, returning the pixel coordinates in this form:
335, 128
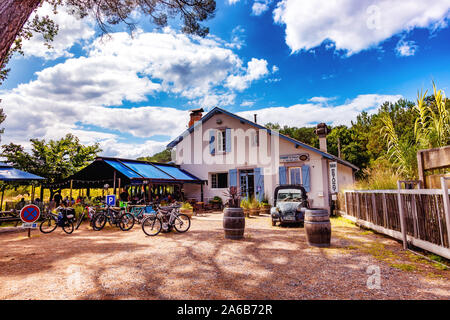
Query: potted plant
216, 203
245, 205
233, 216
187, 209
254, 207
265, 206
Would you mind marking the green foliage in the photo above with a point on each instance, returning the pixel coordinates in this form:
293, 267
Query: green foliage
54, 160
384, 144
187, 206
245, 204
163, 157
378, 177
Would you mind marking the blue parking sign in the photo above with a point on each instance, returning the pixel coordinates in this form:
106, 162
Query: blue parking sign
111, 200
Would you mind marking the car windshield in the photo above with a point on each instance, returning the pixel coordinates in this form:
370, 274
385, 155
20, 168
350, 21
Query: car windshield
289, 196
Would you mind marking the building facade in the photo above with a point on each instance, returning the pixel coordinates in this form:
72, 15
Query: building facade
227, 150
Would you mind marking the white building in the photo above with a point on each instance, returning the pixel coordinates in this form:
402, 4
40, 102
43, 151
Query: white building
227, 150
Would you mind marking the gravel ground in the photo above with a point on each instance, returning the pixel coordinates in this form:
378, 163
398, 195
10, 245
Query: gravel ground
270, 263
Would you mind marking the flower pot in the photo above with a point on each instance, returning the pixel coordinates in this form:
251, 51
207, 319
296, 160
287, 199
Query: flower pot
265, 209
188, 212
233, 223
254, 212
246, 212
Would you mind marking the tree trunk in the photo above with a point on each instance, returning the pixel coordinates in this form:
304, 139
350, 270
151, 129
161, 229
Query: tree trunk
13, 15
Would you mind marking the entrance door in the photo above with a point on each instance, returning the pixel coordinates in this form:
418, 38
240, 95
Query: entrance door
295, 175
247, 183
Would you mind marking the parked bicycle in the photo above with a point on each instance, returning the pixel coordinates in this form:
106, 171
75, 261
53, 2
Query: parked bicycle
140, 211
88, 212
164, 220
125, 221
64, 218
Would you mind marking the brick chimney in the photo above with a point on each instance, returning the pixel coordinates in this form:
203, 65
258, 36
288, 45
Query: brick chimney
196, 115
322, 131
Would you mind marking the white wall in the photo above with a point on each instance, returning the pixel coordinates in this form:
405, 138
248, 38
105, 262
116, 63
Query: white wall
190, 158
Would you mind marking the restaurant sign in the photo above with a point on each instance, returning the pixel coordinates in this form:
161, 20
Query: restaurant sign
334, 188
294, 157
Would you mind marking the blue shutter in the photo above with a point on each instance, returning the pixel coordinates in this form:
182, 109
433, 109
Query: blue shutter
306, 178
232, 174
228, 140
259, 183
212, 139
295, 176
282, 175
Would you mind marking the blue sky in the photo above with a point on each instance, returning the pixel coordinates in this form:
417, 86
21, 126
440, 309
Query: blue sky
290, 61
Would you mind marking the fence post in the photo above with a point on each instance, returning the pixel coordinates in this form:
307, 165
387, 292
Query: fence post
402, 216
374, 209
446, 207
358, 209
345, 201
385, 210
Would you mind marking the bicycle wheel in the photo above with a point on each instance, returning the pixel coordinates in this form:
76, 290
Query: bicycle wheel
48, 225
68, 227
126, 222
151, 225
182, 223
99, 222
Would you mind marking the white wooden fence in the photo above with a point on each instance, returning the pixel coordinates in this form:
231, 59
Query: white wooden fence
419, 217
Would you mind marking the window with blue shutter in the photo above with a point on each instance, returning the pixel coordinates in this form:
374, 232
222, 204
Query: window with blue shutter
232, 174
259, 183
282, 175
306, 178
228, 140
212, 139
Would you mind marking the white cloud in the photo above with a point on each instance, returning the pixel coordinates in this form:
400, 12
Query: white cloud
406, 48
259, 7
71, 31
321, 99
247, 103
233, 1
77, 95
306, 114
256, 69
355, 25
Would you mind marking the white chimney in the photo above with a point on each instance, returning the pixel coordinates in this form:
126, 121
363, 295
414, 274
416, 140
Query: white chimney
322, 131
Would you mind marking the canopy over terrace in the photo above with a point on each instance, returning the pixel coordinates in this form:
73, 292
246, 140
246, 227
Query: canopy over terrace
10, 174
119, 172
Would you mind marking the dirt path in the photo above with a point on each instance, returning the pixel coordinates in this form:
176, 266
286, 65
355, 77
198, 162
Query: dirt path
271, 263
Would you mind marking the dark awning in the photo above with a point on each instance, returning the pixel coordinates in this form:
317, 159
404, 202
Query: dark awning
8, 173
102, 171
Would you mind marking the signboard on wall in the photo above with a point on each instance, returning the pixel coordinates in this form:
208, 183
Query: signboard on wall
334, 187
294, 157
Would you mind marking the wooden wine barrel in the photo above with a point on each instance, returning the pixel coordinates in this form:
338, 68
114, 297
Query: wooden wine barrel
318, 227
233, 223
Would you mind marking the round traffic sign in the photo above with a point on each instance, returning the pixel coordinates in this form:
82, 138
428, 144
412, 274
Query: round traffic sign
30, 213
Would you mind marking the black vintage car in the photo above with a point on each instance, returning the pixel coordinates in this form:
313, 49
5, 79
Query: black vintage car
290, 203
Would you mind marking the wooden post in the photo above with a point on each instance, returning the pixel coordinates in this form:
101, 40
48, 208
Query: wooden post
345, 201
119, 186
414, 212
114, 183
446, 206
3, 193
32, 193
201, 192
374, 209
70, 194
421, 169
358, 206
385, 211
402, 217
